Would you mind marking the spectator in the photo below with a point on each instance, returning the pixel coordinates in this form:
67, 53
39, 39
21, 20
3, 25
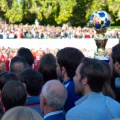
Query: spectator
2, 67
47, 67
107, 89
13, 94
67, 61
7, 77
21, 113
33, 83
89, 80
27, 54
18, 64
53, 97
115, 66
1, 112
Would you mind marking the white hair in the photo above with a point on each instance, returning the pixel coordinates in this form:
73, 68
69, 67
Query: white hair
55, 99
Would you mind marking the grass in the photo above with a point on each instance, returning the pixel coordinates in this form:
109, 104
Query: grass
113, 27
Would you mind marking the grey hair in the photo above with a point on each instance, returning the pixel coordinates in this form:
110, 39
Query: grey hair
55, 99
21, 113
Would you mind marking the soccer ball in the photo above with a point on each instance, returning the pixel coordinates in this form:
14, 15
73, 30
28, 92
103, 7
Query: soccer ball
100, 20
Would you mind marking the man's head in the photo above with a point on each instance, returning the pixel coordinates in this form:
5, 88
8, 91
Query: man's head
115, 60
18, 64
7, 77
27, 54
32, 80
67, 61
13, 94
47, 67
90, 76
53, 96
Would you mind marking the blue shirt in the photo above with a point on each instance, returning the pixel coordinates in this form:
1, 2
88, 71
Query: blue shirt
34, 103
72, 97
94, 106
57, 115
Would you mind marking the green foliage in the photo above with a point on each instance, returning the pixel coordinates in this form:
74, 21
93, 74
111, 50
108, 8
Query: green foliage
3, 5
15, 14
79, 12
57, 12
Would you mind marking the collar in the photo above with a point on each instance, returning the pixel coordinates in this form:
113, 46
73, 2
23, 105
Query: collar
33, 100
66, 83
91, 94
53, 113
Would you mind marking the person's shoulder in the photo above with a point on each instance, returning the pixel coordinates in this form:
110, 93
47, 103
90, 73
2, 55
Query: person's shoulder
60, 116
111, 100
75, 113
74, 110
113, 106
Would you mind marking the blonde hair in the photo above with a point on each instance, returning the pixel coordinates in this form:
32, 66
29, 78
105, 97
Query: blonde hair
21, 113
2, 67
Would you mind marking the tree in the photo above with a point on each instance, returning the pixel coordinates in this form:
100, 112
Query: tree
56, 12
15, 13
114, 8
110, 6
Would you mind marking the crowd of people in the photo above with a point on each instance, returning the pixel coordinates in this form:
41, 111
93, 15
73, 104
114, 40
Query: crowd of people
65, 85
51, 32
6, 54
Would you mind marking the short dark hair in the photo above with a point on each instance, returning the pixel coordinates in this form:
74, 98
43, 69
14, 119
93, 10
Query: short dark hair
33, 80
116, 53
1, 111
95, 72
1, 75
47, 67
69, 58
13, 94
18, 59
27, 54
7, 77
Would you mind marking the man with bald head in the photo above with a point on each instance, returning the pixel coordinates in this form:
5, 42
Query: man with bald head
52, 100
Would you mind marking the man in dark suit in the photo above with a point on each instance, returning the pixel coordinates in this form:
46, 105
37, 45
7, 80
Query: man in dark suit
53, 97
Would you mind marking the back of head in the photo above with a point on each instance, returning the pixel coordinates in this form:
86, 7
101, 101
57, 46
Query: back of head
27, 54
116, 53
55, 94
21, 113
69, 58
13, 94
18, 64
33, 81
7, 77
1, 111
47, 66
1, 76
2, 67
95, 72
107, 89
